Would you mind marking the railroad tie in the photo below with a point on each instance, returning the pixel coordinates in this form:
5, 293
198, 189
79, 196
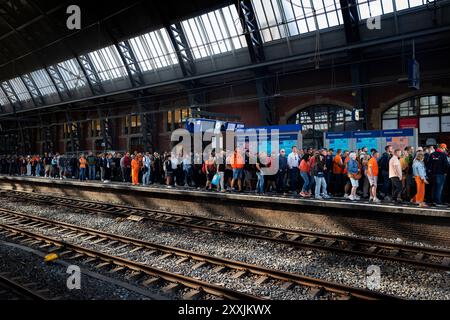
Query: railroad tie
239, 274
101, 265
315, 292
372, 249
287, 285
151, 281
198, 265
193, 294
394, 253
117, 269
182, 260
172, 287
219, 269
136, 249
261, 280
419, 256
446, 261
165, 256
99, 240
294, 237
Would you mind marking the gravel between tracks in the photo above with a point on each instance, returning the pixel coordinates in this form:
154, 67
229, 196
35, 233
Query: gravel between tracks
54, 277
396, 279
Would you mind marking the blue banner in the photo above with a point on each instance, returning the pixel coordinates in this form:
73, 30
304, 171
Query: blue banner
398, 132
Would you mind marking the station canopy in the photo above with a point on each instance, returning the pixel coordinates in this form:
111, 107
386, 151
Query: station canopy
212, 33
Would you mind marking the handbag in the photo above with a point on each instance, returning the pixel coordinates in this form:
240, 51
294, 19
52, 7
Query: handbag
357, 176
216, 179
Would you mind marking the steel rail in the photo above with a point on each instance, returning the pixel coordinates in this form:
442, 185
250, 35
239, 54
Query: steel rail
286, 277
415, 255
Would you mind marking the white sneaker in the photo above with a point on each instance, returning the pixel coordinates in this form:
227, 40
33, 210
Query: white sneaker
357, 198
318, 197
376, 200
346, 196
351, 198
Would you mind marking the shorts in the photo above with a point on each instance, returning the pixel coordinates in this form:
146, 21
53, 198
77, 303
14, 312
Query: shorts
354, 183
372, 180
237, 173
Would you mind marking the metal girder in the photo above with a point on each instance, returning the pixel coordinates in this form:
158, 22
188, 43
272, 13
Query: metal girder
13, 98
186, 61
47, 136
351, 26
251, 31
24, 139
147, 123
33, 89
351, 20
131, 64
58, 81
74, 133
256, 51
90, 73
106, 128
181, 46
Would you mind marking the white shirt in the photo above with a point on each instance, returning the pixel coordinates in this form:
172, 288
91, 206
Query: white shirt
293, 160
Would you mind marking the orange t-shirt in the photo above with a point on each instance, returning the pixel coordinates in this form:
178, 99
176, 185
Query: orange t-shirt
237, 161
304, 166
374, 165
83, 163
337, 169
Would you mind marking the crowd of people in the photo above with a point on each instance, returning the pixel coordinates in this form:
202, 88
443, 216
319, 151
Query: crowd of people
418, 176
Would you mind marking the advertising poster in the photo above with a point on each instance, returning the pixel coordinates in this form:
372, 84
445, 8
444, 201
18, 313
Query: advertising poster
342, 143
369, 143
397, 142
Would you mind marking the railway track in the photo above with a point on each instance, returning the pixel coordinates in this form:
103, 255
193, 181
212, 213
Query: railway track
18, 225
415, 255
16, 288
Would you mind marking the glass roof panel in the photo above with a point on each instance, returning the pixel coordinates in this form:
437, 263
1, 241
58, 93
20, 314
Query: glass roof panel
3, 98
154, 50
373, 8
72, 74
43, 82
108, 64
20, 89
281, 18
214, 33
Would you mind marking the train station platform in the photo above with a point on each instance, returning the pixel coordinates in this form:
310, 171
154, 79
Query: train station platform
404, 221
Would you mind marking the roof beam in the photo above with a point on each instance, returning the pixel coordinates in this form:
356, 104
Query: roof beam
33, 89
256, 52
298, 57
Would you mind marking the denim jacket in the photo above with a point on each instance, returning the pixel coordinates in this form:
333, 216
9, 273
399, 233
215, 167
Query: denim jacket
352, 166
419, 169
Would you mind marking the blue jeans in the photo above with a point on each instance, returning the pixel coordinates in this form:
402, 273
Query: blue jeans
82, 174
306, 181
438, 186
320, 184
260, 183
38, 170
146, 177
91, 172
293, 176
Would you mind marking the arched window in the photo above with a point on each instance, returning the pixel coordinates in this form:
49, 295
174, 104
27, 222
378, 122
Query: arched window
429, 113
317, 119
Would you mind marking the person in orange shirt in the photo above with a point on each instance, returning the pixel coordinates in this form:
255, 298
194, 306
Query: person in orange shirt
134, 170
83, 163
338, 167
237, 163
372, 176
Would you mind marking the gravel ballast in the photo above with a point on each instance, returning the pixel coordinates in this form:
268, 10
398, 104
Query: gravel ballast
397, 279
